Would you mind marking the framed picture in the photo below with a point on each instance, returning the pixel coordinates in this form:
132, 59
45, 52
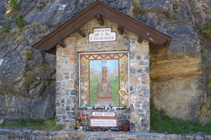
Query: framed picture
104, 79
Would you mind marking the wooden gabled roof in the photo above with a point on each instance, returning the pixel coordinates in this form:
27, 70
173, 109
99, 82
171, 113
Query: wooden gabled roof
157, 40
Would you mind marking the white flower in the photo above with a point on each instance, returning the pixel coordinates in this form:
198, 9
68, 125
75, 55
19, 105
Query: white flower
126, 96
86, 84
123, 102
85, 102
85, 89
82, 83
83, 97
122, 83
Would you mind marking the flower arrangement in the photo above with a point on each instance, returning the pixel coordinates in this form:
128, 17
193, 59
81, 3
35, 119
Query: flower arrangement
81, 118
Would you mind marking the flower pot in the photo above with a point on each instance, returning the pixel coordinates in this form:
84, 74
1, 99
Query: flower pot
125, 127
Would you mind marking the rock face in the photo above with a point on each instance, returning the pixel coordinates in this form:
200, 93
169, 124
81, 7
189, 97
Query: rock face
177, 84
27, 76
27, 80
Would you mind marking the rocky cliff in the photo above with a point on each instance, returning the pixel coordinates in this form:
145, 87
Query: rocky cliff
27, 76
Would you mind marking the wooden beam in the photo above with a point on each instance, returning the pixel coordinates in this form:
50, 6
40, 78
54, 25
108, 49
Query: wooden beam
120, 29
81, 33
88, 14
62, 44
100, 20
140, 40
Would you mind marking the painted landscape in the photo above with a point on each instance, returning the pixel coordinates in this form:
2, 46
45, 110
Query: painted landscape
112, 77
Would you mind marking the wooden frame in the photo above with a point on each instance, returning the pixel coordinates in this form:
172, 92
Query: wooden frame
97, 8
107, 118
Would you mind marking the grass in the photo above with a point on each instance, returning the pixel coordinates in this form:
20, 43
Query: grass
208, 81
47, 125
206, 31
162, 123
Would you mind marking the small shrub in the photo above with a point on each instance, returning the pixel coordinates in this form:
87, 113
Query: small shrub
19, 40
19, 21
137, 8
40, 6
12, 4
14, 33
206, 31
40, 36
24, 5
8, 28
202, 50
36, 25
27, 52
11, 13
2, 38
44, 28
204, 58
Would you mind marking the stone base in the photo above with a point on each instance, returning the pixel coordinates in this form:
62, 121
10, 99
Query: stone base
103, 102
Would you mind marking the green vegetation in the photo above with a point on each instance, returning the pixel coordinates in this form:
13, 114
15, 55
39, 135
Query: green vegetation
47, 125
2, 37
206, 31
202, 50
8, 28
40, 36
12, 4
40, 6
44, 28
204, 58
19, 21
208, 81
28, 79
19, 40
24, 5
10, 13
137, 8
36, 25
162, 123
27, 52
43, 69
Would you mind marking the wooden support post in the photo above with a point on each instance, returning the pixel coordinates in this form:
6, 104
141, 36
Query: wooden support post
140, 40
120, 29
100, 20
62, 44
81, 33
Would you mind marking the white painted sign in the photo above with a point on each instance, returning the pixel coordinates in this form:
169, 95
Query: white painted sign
103, 122
107, 114
1, 60
101, 35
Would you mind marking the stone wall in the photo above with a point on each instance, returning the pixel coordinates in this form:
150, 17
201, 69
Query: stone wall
15, 134
67, 98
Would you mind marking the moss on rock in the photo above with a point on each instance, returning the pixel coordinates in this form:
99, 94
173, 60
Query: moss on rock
11, 13
43, 69
31, 64
28, 79
19, 40
27, 52
40, 36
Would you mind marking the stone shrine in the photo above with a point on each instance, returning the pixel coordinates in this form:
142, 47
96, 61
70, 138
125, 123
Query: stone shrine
103, 61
